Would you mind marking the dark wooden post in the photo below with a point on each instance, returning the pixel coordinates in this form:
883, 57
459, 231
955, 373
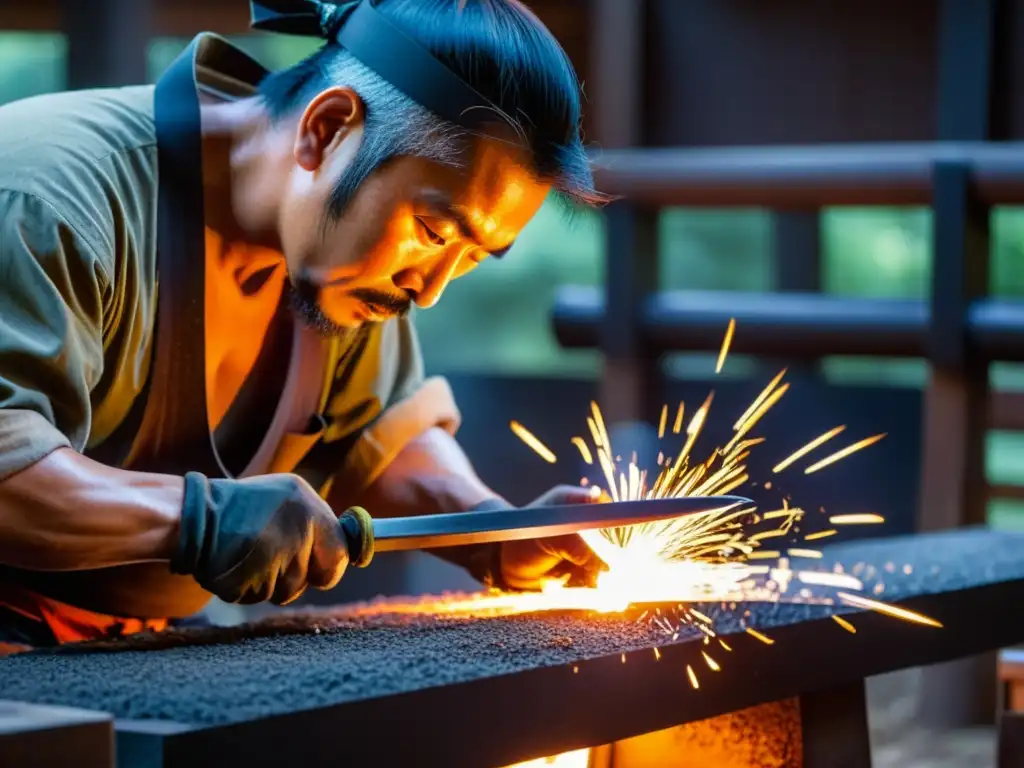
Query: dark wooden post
796, 248
107, 41
616, 64
953, 486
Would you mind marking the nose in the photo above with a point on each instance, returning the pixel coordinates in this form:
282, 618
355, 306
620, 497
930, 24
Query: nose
426, 282
410, 281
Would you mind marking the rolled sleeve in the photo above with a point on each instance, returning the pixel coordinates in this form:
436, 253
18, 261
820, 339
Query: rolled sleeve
51, 332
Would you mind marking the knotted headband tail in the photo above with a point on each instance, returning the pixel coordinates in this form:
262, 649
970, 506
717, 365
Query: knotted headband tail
307, 18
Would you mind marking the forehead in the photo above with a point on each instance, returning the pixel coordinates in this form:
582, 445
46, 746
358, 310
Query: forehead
493, 183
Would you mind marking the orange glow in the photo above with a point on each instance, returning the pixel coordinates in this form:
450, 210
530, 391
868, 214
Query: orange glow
579, 758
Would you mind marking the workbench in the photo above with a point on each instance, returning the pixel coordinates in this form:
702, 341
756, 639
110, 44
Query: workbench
396, 690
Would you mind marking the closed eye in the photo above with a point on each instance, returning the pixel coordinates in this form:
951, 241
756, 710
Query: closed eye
432, 236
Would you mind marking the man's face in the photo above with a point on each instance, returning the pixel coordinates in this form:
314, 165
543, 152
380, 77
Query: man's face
411, 228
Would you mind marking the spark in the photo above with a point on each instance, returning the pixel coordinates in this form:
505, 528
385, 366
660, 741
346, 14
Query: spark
759, 400
531, 440
677, 426
844, 624
801, 452
890, 610
763, 638
725, 645
865, 518
584, 449
820, 535
842, 454
765, 554
726, 343
809, 553
693, 677
826, 579
661, 422
657, 655
712, 664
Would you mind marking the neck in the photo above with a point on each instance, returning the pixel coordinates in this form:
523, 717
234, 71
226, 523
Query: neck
241, 192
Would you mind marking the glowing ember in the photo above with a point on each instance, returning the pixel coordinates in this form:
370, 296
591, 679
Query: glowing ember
579, 758
860, 519
531, 440
693, 676
799, 454
843, 453
844, 624
763, 638
726, 343
890, 610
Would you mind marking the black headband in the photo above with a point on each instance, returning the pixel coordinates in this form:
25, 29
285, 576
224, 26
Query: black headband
384, 48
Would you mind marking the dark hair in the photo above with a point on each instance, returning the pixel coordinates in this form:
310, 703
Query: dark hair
497, 46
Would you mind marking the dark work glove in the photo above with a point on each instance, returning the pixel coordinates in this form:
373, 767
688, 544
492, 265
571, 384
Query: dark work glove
257, 539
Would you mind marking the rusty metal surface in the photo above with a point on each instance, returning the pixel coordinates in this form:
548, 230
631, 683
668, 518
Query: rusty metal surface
494, 691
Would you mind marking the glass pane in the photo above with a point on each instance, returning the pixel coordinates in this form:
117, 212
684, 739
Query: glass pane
1005, 466
722, 250
719, 250
876, 253
31, 63
1007, 271
1006, 514
498, 319
1006, 457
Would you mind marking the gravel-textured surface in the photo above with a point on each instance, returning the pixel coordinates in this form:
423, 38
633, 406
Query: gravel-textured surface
302, 661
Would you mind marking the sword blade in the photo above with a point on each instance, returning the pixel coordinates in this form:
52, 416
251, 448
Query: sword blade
462, 528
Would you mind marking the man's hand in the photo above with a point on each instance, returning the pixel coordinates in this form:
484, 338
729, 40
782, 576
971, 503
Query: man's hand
257, 539
528, 564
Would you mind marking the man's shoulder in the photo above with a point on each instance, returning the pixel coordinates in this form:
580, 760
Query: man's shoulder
89, 155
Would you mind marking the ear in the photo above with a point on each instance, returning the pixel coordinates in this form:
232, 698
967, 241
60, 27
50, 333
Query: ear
331, 116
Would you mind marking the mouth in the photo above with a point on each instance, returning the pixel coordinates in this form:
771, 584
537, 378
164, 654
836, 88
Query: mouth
374, 314
377, 305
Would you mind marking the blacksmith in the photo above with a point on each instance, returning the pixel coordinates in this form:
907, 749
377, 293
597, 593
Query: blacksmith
206, 352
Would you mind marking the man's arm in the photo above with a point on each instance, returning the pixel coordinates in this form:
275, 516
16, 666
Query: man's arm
254, 539
67, 512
